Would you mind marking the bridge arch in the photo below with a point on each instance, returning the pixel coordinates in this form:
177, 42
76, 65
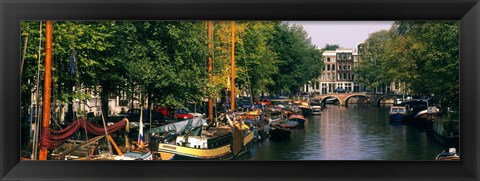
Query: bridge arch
344, 97
356, 95
380, 98
323, 100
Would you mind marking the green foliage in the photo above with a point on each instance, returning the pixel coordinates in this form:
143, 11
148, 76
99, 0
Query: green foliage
258, 59
299, 61
423, 55
167, 60
331, 47
451, 123
372, 71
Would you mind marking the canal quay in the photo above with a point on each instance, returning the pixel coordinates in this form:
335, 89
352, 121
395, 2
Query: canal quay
356, 132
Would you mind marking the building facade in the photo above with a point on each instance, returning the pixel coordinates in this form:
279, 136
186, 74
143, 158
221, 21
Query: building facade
344, 73
338, 72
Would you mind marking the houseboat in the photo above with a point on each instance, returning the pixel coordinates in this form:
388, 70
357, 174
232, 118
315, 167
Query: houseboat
215, 143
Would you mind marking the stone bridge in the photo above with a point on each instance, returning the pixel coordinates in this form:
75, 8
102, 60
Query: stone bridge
344, 97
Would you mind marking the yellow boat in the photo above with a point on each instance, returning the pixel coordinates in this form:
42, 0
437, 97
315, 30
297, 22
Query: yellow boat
218, 143
225, 152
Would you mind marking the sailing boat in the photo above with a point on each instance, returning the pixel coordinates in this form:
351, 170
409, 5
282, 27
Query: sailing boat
52, 139
195, 139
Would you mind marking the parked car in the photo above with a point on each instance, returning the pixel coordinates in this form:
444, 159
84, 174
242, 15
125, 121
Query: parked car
264, 102
244, 104
133, 116
183, 114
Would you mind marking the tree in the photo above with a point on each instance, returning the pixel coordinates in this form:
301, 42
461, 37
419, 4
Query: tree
437, 44
330, 47
372, 71
257, 63
299, 61
423, 55
167, 60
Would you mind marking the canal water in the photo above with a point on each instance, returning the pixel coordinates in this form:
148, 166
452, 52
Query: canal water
356, 132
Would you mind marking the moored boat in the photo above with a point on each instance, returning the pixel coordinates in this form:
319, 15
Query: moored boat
287, 106
279, 134
427, 114
218, 143
423, 119
300, 119
397, 113
289, 124
306, 108
330, 100
136, 154
446, 132
450, 155
316, 107
254, 114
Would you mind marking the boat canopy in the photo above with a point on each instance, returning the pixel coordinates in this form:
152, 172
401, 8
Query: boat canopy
179, 127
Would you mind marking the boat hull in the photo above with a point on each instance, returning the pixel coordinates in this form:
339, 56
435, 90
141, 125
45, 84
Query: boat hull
316, 110
446, 140
280, 134
290, 124
397, 117
176, 152
306, 111
301, 122
300, 119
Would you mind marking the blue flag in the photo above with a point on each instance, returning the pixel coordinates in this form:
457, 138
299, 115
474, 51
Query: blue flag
72, 63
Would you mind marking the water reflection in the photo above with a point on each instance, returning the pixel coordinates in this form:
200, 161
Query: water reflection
356, 132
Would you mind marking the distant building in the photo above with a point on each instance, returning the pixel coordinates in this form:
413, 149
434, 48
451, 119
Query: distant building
344, 69
328, 78
338, 72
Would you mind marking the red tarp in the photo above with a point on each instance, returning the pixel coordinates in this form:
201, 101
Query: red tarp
51, 139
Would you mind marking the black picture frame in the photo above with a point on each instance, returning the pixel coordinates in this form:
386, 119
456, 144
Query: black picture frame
12, 12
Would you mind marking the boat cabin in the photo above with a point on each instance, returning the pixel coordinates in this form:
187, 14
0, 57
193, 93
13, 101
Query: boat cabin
398, 110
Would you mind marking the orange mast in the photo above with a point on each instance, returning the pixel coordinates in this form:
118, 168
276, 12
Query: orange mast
232, 84
46, 88
210, 69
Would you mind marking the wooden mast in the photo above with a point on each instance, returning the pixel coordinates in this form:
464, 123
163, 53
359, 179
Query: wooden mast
210, 69
46, 88
232, 84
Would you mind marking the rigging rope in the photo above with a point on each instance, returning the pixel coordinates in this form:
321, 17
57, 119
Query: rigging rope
37, 125
55, 138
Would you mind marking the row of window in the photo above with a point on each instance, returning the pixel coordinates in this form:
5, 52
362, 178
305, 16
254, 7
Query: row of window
328, 59
345, 76
325, 86
342, 66
340, 76
344, 56
340, 56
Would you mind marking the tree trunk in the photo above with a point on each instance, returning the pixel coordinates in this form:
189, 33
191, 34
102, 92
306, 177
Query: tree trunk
104, 98
149, 103
252, 94
132, 98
